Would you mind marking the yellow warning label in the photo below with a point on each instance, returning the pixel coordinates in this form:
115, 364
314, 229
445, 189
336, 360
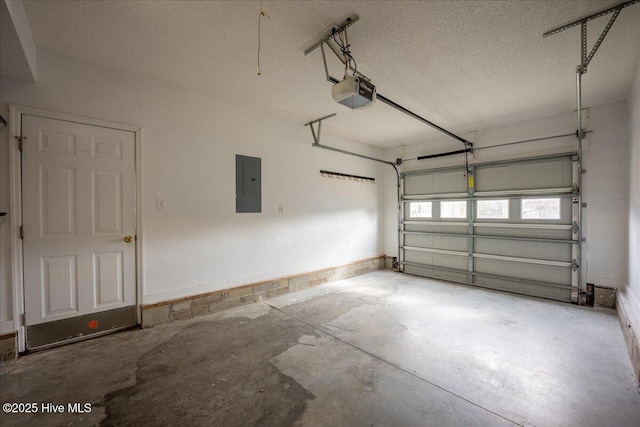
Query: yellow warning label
470, 181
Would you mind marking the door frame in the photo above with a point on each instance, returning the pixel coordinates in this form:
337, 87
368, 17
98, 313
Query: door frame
15, 205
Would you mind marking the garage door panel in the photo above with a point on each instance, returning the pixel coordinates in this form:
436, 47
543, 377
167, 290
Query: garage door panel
418, 257
549, 292
419, 184
494, 178
437, 260
548, 174
450, 182
530, 175
418, 240
453, 262
435, 273
524, 249
435, 183
436, 242
521, 270
562, 234
455, 229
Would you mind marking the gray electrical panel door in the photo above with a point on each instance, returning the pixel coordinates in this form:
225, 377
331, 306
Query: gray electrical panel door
248, 184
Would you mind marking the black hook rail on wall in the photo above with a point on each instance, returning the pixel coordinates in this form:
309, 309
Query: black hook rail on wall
346, 175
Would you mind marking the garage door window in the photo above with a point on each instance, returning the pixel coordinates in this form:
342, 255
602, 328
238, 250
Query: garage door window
420, 210
456, 209
493, 209
541, 208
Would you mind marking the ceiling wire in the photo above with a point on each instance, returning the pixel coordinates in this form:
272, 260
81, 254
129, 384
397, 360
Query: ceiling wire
260, 15
346, 52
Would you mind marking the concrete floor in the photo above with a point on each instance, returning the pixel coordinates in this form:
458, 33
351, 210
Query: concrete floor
383, 349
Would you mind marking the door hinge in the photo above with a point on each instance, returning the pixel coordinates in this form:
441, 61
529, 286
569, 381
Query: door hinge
23, 320
21, 140
21, 232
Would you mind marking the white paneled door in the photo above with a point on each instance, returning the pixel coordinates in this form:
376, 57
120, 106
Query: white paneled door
78, 192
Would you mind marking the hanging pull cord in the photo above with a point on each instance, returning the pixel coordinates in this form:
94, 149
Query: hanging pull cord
260, 15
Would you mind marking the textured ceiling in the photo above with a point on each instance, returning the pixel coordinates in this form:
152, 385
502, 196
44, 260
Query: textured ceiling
463, 65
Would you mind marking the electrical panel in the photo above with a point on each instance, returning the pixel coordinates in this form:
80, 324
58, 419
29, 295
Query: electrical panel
248, 184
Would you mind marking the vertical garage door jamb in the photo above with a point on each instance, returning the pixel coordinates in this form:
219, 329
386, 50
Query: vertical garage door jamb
576, 230
401, 222
470, 230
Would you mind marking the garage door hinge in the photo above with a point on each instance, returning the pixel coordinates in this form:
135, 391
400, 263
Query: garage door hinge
21, 232
23, 320
574, 265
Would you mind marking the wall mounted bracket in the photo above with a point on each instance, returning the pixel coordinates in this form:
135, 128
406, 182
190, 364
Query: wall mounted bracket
586, 58
316, 143
316, 136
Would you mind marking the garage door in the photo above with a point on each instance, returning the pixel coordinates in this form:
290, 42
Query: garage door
509, 226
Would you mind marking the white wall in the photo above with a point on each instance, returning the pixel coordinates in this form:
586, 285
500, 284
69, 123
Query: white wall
199, 244
630, 295
607, 194
605, 184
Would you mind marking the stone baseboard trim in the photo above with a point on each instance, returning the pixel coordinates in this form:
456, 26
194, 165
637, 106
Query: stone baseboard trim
196, 305
388, 262
604, 297
631, 339
8, 347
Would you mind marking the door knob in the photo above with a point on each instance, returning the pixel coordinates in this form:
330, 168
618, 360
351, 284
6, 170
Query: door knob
128, 239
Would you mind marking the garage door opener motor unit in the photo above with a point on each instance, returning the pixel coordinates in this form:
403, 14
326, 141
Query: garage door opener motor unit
354, 92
